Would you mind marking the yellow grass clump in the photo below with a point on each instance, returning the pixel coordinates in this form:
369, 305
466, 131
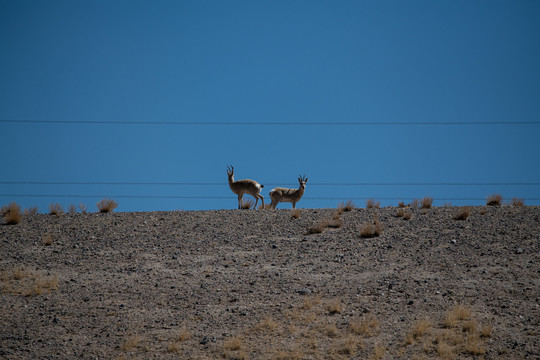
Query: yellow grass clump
11, 213
106, 205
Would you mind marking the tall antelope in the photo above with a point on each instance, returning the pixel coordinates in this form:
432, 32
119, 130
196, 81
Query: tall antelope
293, 196
246, 186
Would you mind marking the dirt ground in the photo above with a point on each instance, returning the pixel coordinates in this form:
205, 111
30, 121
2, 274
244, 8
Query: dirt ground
253, 284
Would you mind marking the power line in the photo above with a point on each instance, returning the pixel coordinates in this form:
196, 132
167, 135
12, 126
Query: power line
271, 183
233, 197
267, 123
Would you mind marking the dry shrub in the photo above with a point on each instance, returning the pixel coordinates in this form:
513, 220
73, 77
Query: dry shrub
401, 204
369, 230
458, 313
403, 214
246, 204
378, 351
334, 307
445, 351
463, 213
27, 282
83, 208
335, 223
426, 202
331, 330
72, 209
518, 202
415, 203
473, 346
494, 200
233, 344
309, 303
47, 239
292, 354
469, 326
421, 327
295, 214
106, 205
184, 334
346, 206
267, 325
372, 203
486, 331
175, 347
317, 228
12, 213
33, 210
131, 342
349, 346
366, 327
56, 209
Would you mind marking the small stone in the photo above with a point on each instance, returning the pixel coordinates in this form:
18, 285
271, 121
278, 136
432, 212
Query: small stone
304, 291
410, 302
519, 251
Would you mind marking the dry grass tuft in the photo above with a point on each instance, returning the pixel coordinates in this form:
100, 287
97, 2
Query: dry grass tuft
317, 228
175, 346
27, 282
246, 204
349, 346
12, 213
335, 223
72, 209
486, 331
458, 313
401, 204
372, 203
421, 328
473, 346
334, 308
415, 203
56, 209
47, 239
426, 202
83, 208
131, 343
366, 327
378, 351
494, 200
463, 213
233, 344
346, 206
403, 214
267, 325
518, 202
295, 214
368, 230
33, 210
106, 205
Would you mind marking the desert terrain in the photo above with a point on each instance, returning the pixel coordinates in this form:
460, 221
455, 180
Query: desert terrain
263, 284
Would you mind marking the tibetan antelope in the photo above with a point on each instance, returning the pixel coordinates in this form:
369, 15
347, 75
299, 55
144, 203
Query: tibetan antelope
246, 186
293, 196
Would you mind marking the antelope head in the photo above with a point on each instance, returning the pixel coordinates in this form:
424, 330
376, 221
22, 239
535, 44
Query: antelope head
230, 170
302, 180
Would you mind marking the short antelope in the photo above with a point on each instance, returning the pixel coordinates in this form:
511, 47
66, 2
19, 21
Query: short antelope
293, 196
246, 186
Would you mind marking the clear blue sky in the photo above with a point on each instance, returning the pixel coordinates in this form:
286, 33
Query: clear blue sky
268, 61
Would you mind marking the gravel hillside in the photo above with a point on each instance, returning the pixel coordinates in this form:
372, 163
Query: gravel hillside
254, 284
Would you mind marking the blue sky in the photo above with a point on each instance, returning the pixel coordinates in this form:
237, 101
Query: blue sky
392, 64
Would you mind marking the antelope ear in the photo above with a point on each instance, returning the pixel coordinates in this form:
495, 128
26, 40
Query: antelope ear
306, 179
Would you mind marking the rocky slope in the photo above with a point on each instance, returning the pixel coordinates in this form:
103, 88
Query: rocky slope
254, 285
